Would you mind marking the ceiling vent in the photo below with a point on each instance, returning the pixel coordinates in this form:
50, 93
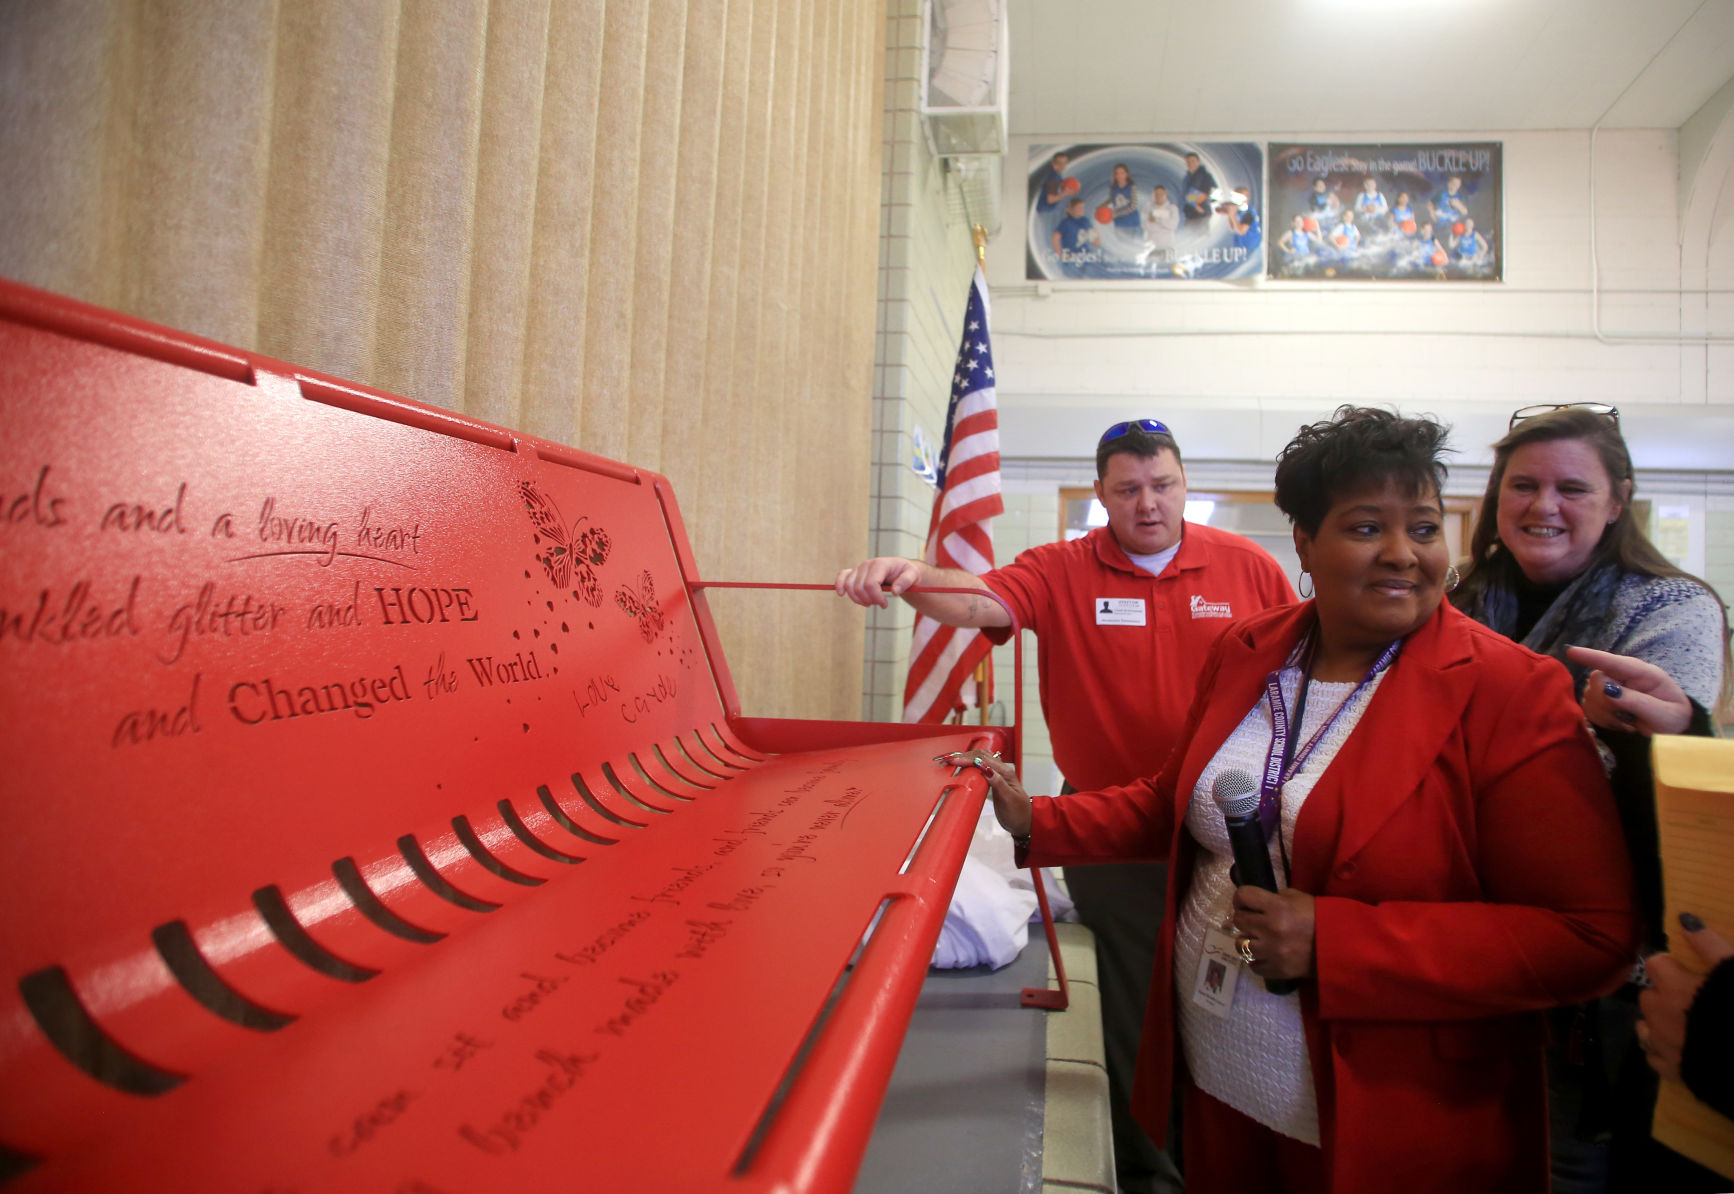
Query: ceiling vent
963, 104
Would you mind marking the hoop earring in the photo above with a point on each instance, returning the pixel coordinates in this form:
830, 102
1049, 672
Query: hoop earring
1453, 578
1305, 578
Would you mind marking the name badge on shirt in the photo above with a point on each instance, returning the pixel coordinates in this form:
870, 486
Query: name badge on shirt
1119, 611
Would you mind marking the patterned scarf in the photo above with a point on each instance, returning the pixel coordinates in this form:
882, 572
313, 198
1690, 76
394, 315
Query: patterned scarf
1578, 617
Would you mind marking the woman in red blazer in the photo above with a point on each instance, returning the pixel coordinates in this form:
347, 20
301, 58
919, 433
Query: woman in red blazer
1447, 853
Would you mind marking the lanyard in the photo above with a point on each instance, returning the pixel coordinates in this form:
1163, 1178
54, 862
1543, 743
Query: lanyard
1279, 768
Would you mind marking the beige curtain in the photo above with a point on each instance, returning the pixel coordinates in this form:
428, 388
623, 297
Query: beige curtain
647, 228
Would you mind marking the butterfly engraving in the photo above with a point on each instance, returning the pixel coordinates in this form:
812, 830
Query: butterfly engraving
570, 558
642, 605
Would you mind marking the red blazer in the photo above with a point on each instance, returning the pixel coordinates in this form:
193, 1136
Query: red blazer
1469, 871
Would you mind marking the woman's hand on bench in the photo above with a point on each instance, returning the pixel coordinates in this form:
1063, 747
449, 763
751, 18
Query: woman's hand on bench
1011, 804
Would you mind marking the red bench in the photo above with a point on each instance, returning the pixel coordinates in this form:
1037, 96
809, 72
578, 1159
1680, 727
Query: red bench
379, 814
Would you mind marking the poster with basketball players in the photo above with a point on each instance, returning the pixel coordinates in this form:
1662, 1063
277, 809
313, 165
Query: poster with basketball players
1145, 211
1408, 212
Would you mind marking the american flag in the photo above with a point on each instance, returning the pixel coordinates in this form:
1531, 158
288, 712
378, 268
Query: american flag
958, 536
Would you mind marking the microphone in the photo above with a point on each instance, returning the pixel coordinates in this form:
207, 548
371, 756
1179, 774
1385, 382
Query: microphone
1236, 794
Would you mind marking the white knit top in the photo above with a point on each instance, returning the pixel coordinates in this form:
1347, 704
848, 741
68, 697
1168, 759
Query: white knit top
1254, 1059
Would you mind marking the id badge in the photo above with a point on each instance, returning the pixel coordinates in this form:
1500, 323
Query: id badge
1119, 611
1219, 969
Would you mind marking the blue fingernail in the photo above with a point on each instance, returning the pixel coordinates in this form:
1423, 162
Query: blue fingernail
1612, 689
1691, 923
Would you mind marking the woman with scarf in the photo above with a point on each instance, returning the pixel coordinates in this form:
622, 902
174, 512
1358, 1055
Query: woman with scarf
1559, 563
1375, 1023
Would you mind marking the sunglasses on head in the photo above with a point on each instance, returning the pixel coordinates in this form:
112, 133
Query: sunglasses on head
1547, 408
1130, 425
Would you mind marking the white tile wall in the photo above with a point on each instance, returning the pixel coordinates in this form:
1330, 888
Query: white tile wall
926, 260
1075, 357
1531, 338
1032, 517
1283, 354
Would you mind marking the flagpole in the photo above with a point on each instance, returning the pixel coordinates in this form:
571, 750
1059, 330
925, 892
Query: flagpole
984, 669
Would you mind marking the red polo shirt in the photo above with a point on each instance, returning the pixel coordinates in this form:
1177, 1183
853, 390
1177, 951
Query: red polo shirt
1119, 649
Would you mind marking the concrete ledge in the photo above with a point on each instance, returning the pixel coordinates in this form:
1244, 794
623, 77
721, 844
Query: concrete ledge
1078, 951
1077, 1137
1076, 1033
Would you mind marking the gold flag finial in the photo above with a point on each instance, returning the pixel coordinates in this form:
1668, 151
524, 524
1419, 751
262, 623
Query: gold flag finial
980, 245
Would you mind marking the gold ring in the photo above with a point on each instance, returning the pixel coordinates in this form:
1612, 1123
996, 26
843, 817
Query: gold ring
1243, 946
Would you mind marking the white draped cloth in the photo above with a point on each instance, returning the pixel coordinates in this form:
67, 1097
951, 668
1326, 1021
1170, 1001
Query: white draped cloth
988, 923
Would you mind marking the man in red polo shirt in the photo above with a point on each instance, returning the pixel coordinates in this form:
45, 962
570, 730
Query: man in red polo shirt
1123, 619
